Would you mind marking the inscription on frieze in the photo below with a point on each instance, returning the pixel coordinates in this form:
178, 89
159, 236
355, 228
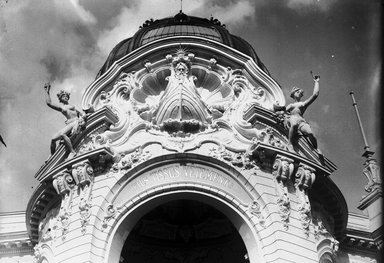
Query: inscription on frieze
183, 174
188, 173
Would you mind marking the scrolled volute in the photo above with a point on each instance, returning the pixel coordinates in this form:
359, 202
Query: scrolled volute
305, 177
63, 182
282, 168
82, 173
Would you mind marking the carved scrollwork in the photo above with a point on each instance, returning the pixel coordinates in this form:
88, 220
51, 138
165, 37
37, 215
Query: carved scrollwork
125, 161
239, 159
94, 142
305, 214
282, 170
110, 213
82, 173
271, 139
37, 253
284, 204
255, 209
334, 246
85, 205
319, 229
304, 179
121, 89
65, 213
63, 182
64, 185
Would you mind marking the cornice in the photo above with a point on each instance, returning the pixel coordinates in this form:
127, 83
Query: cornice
359, 241
273, 151
370, 198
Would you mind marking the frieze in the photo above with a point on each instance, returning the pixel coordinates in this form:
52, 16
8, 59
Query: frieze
183, 174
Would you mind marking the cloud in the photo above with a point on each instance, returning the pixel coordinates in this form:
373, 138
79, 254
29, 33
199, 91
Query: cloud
305, 6
228, 12
126, 23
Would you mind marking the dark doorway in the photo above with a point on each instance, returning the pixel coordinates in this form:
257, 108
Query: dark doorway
184, 231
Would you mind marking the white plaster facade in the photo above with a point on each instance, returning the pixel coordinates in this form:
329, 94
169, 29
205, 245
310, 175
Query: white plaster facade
188, 118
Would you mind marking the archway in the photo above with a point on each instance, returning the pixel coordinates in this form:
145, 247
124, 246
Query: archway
184, 230
130, 222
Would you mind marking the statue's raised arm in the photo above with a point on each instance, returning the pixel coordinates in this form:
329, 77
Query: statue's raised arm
316, 91
75, 119
48, 100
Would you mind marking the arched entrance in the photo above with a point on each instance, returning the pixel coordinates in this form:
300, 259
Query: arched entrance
184, 188
184, 230
243, 231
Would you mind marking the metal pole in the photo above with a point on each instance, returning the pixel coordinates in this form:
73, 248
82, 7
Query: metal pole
366, 147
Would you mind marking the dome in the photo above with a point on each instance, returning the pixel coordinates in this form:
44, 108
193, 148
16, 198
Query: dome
180, 25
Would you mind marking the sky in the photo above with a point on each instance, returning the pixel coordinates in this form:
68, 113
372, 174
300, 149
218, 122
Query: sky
67, 42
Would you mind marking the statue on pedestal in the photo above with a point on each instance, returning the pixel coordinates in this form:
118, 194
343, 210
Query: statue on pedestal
75, 119
295, 121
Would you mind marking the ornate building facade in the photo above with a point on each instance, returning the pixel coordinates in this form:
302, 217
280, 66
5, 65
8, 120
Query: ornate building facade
184, 158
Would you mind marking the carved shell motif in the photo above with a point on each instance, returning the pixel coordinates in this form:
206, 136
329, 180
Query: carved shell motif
183, 98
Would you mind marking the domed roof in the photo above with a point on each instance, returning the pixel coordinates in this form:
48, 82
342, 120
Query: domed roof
180, 25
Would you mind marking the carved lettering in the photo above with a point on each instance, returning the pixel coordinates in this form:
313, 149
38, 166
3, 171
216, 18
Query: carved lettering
170, 174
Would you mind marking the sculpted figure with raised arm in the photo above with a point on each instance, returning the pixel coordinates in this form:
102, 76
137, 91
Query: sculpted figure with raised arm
75, 119
295, 121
